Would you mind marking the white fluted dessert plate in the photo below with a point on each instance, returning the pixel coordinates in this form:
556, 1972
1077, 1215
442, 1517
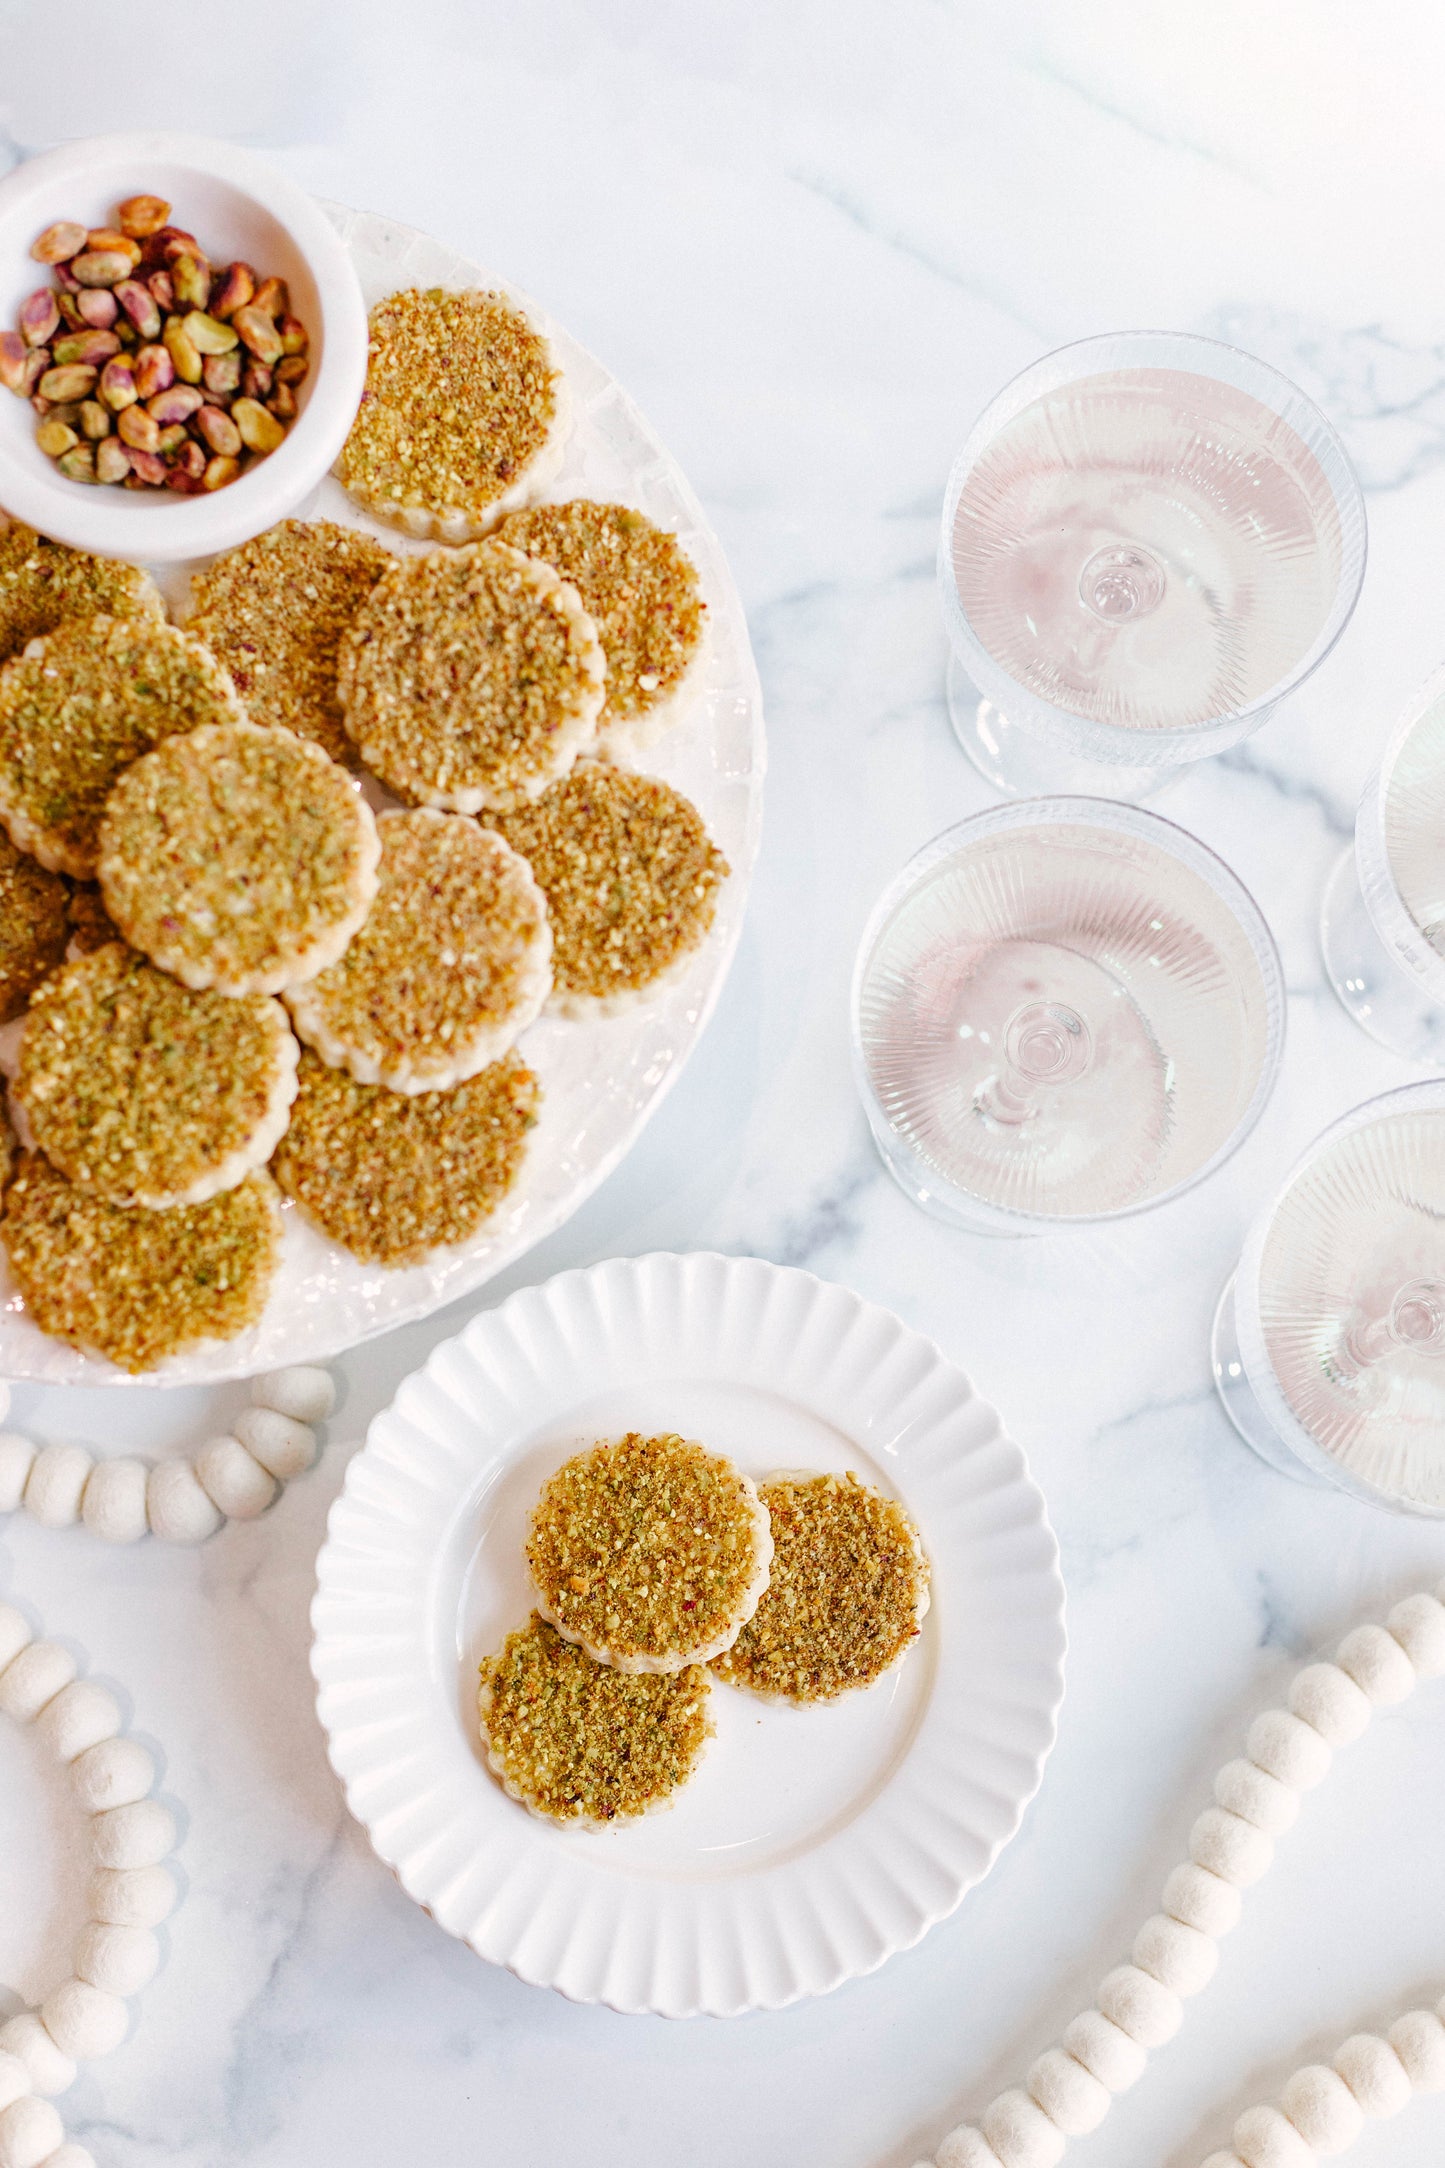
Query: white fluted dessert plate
602, 1080
811, 1844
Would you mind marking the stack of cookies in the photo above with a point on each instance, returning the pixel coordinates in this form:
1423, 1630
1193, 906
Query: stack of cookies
281, 889
654, 1559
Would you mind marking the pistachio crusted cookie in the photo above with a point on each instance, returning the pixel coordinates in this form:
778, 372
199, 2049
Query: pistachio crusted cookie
138, 1286
34, 927
453, 962
276, 610
77, 707
392, 1177
639, 587
650, 1553
631, 879
42, 584
149, 1094
464, 415
91, 925
238, 858
848, 1593
471, 678
578, 1742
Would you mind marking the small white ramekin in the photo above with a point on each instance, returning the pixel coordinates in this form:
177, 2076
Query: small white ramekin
238, 207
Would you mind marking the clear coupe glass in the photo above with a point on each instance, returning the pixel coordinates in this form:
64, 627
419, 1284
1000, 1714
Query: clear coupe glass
1329, 1341
1383, 924
1148, 541
1063, 1011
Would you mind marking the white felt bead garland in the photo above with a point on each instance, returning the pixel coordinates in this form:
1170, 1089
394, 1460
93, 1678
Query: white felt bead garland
114, 1505
136, 1836
1323, 2108
56, 1484
117, 1952
176, 1506
283, 1447
234, 1477
81, 1716
305, 1393
30, 2131
114, 1773
236, 1485
25, 2036
33, 1678
17, 1458
132, 1896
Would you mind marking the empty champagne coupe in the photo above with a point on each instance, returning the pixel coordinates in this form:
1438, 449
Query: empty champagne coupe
1329, 1341
1148, 541
1383, 924
1063, 1011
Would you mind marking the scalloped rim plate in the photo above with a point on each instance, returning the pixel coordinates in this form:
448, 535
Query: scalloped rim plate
602, 1079
812, 1844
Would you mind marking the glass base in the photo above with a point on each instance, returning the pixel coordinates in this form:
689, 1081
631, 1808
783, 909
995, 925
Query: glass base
1376, 991
1240, 1404
1019, 766
908, 1173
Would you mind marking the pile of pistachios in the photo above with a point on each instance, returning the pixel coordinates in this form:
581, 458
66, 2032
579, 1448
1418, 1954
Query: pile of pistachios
146, 366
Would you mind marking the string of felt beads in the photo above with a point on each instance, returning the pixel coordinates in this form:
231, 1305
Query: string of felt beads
131, 1892
232, 1477
1140, 2006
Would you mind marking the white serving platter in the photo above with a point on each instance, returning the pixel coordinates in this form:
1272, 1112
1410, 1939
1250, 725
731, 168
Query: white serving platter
811, 1844
601, 1081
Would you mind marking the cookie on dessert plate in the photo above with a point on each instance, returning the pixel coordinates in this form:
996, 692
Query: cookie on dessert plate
453, 962
275, 612
77, 707
393, 1176
133, 1285
471, 678
631, 879
146, 1093
464, 417
847, 1596
650, 1552
640, 588
238, 858
583, 1743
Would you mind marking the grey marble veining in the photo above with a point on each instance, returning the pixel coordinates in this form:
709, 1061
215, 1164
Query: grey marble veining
813, 241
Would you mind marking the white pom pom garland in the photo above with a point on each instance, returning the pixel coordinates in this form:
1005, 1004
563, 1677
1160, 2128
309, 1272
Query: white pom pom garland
1322, 2109
56, 1485
131, 1892
235, 1477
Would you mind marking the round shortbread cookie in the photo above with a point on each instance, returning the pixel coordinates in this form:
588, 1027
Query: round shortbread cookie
276, 610
639, 587
582, 1743
847, 1595
43, 584
471, 678
239, 858
650, 1552
631, 879
34, 927
464, 416
146, 1093
392, 1177
133, 1285
77, 707
453, 962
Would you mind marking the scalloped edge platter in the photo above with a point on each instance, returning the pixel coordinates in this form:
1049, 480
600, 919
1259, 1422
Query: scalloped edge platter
601, 1081
811, 1844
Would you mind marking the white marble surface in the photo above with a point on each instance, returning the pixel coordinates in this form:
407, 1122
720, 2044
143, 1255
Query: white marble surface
812, 240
